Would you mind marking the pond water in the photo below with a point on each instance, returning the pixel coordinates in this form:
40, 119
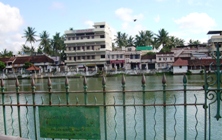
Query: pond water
134, 114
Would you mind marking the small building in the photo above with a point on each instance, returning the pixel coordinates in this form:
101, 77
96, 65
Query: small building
148, 61
180, 66
164, 61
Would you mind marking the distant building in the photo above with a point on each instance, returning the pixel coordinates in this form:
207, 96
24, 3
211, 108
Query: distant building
87, 47
180, 66
164, 60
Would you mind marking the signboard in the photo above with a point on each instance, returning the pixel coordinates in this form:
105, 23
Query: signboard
69, 122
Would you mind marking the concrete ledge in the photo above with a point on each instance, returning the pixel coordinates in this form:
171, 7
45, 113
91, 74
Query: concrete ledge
4, 137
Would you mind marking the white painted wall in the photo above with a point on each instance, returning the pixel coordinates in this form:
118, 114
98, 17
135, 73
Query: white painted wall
177, 69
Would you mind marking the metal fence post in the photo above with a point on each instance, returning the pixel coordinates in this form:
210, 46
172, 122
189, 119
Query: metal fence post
34, 106
144, 107
18, 106
164, 104
124, 105
85, 90
104, 104
3, 104
185, 105
67, 90
49, 89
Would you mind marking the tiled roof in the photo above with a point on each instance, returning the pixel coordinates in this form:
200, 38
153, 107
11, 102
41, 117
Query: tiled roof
202, 62
148, 56
33, 68
180, 62
33, 59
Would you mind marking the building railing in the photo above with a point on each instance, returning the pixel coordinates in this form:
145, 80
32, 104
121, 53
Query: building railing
23, 113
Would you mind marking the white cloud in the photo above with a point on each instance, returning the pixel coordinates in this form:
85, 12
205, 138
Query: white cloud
127, 17
57, 6
196, 23
10, 23
89, 23
157, 19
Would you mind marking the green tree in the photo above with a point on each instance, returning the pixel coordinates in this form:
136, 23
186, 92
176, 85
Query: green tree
130, 41
163, 37
27, 49
144, 38
6, 53
121, 39
2, 65
27, 65
30, 35
45, 42
58, 44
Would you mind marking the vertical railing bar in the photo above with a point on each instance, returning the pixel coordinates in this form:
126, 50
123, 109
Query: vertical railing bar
205, 103
85, 90
104, 103
144, 107
154, 116
115, 117
34, 107
3, 105
18, 107
67, 90
185, 106
12, 122
134, 102
124, 107
175, 117
26, 116
196, 117
164, 105
49, 90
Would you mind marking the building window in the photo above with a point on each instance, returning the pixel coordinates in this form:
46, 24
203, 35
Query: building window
112, 56
73, 38
78, 48
87, 37
88, 57
75, 58
180, 67
103, 46
102, 26
102, 36
83, 48
83, 57
70, 58
171, 58
82, 37
74, 48
137, 56
121, 56
160, 59
69, 48
92, 47
103, 56
87, 47
77, 38
92, 37
108, 56
117, 56
93, 57
78, 57
68, 38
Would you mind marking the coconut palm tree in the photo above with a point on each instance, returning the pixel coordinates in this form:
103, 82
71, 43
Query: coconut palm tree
30, 35
45, 42
6, 53
27, 49
163, 37
57, 43
130, 41
121, 39
144, 38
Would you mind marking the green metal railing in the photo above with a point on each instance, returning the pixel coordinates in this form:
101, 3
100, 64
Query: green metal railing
23, 117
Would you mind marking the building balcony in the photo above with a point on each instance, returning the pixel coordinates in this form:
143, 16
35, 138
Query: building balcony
215, 39
85, 41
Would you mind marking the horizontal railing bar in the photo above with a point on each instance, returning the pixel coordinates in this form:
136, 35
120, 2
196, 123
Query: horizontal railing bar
100, 91
105, 105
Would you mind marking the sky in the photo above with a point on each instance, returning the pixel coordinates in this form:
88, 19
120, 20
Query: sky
186, 19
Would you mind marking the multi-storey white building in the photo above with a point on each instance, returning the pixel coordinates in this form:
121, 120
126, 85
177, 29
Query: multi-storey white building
87, 47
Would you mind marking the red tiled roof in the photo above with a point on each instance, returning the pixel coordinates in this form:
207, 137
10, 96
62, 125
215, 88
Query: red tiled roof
33, 59
202, 62
33, 68
180, 62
